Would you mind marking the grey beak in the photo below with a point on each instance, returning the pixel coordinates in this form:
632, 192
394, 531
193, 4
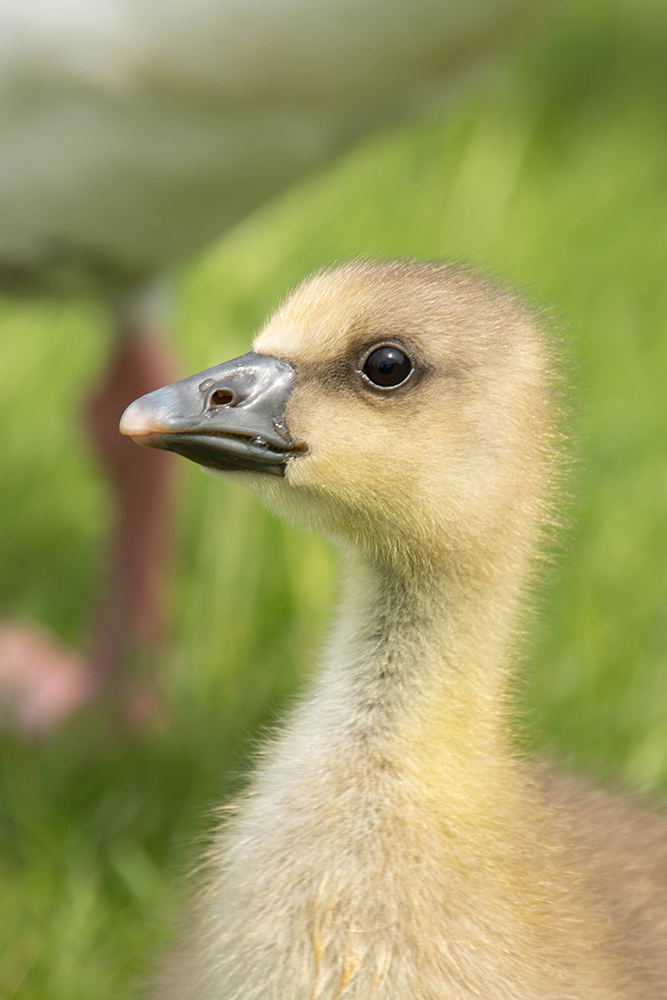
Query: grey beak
231, 417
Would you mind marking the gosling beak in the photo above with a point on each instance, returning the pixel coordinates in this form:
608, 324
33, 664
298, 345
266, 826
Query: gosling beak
231, 417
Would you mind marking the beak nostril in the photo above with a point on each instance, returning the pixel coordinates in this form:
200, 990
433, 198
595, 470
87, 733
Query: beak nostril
221, 397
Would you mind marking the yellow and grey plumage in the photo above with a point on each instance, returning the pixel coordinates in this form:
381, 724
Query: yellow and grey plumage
393, 844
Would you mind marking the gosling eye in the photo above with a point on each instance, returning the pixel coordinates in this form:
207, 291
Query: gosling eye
387, 367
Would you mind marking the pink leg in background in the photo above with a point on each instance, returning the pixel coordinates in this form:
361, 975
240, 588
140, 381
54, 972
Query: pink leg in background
131, 618
41, 682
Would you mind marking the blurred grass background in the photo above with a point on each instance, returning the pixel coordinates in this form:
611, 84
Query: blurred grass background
555, 176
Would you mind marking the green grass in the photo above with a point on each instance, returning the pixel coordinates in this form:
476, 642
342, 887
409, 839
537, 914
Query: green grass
555, 177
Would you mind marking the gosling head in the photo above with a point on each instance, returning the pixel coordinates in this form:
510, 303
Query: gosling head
398, 407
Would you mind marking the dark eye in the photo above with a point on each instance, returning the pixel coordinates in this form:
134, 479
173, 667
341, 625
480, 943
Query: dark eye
387, 367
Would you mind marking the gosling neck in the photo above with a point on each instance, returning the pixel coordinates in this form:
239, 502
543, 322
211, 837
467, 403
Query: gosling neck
423, 618
418, 663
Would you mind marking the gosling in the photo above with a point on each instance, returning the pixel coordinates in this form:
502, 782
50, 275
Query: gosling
393, 844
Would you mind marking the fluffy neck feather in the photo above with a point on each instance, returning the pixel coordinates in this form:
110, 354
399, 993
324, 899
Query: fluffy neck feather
414, 675
391, 844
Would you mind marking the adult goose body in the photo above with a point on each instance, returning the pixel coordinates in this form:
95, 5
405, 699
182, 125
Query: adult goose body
133, 133
393, 844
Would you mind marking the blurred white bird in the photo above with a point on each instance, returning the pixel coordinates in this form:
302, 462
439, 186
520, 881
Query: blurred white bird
133, 132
